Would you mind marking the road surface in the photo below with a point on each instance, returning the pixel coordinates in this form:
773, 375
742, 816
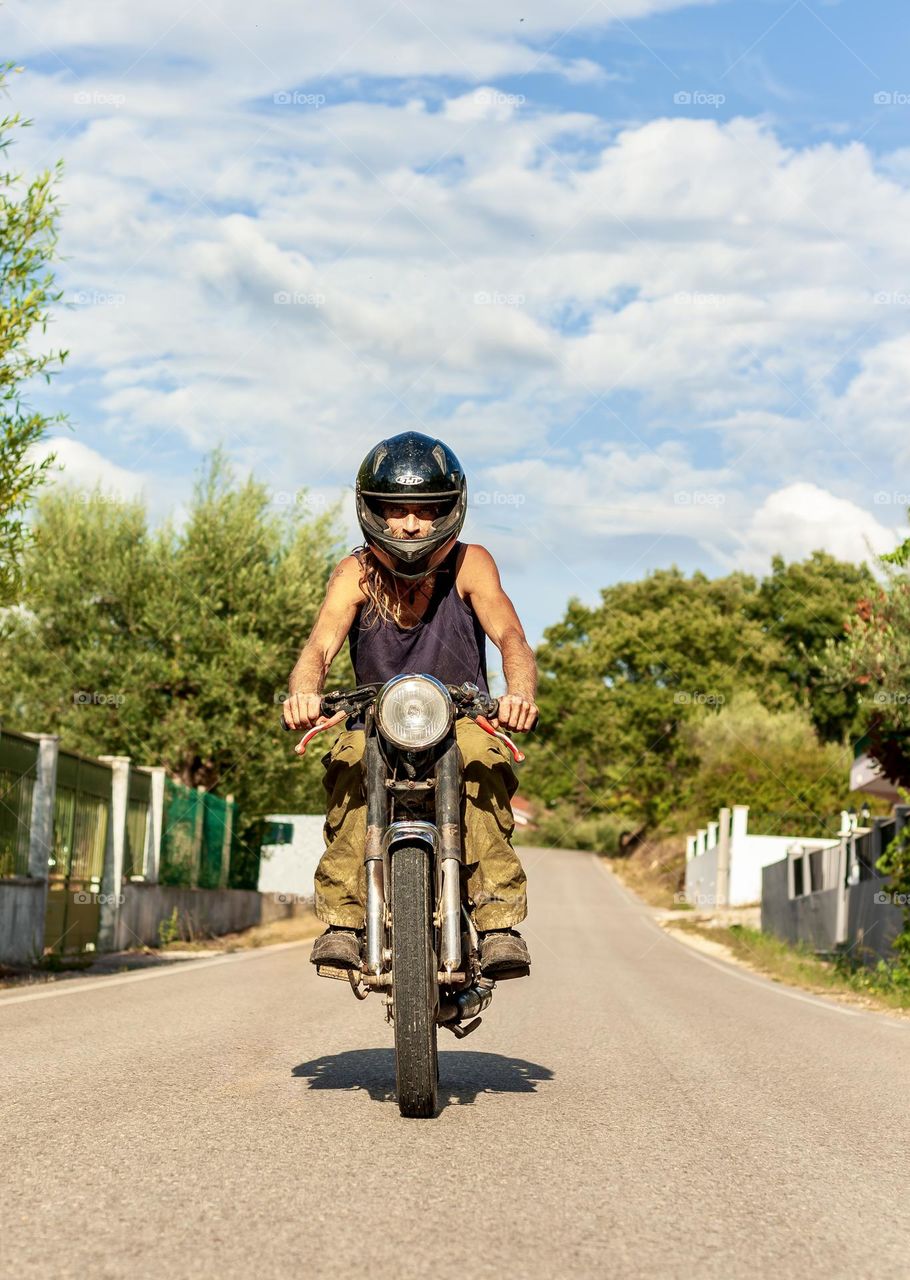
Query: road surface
632, 1109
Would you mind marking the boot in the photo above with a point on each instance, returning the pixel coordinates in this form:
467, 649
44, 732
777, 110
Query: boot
504, 954
337, 947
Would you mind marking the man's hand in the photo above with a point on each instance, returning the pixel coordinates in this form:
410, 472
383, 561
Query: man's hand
516, 713
301, 711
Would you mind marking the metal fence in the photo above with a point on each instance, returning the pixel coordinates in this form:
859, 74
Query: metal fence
82, 815
195, 838
138, 827
18, 762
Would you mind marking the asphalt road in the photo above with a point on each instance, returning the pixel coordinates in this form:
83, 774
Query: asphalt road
632, 1109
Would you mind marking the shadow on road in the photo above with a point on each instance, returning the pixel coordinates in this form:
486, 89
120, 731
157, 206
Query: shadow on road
462, 1075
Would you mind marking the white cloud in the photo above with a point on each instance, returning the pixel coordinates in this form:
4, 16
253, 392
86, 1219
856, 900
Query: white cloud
603, 320
78, 466
800, 518
279, 43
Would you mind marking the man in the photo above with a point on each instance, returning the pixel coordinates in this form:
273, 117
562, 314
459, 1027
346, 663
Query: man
414, 598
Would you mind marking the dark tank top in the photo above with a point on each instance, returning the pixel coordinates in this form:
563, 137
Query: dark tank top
448, 642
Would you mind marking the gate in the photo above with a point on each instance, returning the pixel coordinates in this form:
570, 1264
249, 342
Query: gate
18, 760
82, 810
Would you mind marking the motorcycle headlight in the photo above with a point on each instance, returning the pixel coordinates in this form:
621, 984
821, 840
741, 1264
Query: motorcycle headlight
414, 712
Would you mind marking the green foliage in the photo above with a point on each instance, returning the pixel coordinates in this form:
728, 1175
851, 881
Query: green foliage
874, 665
560, 828
169, 929
771, 760
28, 239
895, 863
805, 605
620, 680
173, 646
622, 684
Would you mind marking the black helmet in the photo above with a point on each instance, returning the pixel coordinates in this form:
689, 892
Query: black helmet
412, 468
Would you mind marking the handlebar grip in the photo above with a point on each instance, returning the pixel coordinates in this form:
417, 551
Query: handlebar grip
325, 709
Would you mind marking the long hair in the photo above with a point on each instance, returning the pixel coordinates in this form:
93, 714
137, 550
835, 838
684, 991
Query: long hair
374, 581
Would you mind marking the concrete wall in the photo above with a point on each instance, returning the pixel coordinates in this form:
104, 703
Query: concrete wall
749, 855
22, 907
287, 869
211, 911
701, 879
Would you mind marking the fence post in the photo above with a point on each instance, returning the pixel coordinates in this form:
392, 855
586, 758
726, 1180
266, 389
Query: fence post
226, 843
198, 834
156, 821
112, 876
723, 858
41, 831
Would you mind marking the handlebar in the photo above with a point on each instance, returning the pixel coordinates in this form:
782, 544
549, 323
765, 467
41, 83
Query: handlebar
467, 698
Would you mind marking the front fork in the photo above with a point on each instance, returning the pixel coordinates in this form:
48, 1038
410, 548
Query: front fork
448, 852
374, 853
448, 822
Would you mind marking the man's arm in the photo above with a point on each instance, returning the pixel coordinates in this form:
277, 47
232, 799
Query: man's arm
497, 616
339, 608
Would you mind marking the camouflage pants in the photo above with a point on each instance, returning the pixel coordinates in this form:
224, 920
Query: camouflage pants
495, 879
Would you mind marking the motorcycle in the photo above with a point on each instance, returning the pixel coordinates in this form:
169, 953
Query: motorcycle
421, 948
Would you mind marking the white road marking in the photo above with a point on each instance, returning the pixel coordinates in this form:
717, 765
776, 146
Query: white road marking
831, 1006
73, 988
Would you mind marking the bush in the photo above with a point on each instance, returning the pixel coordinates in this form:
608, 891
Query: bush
770, 760
560, 829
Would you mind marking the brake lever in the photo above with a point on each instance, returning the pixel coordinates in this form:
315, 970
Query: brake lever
484, 723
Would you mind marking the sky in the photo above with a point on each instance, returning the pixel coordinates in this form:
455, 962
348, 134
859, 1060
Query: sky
642, 264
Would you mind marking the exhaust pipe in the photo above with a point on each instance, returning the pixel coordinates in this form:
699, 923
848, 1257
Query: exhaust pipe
468, 1003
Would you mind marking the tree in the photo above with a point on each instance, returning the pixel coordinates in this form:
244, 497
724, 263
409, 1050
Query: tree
772, 761
619, 680
174, 646
28, 238
805, 605
874, 664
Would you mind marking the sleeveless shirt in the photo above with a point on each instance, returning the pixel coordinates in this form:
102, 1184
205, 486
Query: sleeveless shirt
448, 642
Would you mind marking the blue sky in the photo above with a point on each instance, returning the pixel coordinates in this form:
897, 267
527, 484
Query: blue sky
642, 264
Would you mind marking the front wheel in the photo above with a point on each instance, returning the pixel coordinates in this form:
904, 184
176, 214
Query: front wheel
415, 991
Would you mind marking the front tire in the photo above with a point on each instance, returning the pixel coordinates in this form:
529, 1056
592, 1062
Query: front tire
415, 989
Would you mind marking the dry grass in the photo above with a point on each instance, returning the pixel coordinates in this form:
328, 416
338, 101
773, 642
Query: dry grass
799, 966
298, 928
655, 870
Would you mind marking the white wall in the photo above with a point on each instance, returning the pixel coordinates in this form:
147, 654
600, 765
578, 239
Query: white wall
748, 854
289, 868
